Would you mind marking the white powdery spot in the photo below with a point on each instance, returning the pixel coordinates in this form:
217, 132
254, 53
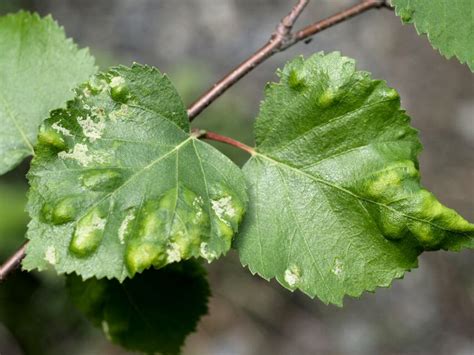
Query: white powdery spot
61, 129
123, 111
78, 153
206, 253
173, 252
292, 276
123, 227
197, 204
223, 207
50, 255
92, 130
338, 267
98, 112
117, 81
198, 201
87, 92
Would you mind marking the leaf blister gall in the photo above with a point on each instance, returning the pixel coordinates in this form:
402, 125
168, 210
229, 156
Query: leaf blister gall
119, 90
88, 232
48, 137
169, 229
101, 179
393, 186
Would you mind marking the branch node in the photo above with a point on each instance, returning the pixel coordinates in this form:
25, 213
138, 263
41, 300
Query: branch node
224, 139
282, 32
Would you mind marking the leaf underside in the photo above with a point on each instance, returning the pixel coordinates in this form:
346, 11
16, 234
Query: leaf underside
449, 25
336, 205
153, 312
39, 67
119, 185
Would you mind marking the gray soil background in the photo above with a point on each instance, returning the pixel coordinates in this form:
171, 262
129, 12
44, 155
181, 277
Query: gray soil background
431, 311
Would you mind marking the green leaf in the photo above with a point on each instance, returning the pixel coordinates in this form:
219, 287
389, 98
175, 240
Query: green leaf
118, 184
153, 312
447, 23
336, 205
39, 67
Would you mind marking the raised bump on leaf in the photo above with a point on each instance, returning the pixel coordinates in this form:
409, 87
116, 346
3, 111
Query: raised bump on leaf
296, 80
119, 90
49, 137
169, 229
101, 179
88, 232
64, 211
327, 98
398, 185
392, 225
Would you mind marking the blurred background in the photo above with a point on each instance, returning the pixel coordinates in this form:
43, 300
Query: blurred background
431, 311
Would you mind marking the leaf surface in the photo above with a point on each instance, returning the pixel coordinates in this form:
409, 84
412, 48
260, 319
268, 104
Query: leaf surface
39, 67
449, 25
153, 312
118, 184
336, 205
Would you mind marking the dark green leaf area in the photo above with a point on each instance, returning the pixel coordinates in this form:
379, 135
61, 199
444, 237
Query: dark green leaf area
152, 313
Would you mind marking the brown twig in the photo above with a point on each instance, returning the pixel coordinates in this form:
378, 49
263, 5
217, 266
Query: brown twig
281, 35
281, 39
203, 134
13, 262
344, 15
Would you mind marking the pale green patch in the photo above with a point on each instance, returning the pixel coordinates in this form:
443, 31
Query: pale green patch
123, 227
50, 255
80, 154
60, 129
88, 233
